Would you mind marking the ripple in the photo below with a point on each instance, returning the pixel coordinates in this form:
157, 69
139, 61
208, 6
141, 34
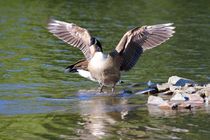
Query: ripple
6, 54
15, 70
19, 86
15, 107
25, 59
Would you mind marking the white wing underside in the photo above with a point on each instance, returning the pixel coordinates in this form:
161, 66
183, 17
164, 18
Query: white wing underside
86, 74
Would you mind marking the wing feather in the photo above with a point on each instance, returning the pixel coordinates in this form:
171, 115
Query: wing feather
136, 41
72, 34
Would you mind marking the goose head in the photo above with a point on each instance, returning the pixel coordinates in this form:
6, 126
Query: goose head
95, 46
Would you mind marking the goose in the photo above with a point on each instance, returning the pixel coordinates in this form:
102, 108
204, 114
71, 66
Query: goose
106, 68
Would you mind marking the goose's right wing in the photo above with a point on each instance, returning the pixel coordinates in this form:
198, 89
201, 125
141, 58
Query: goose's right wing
72, 34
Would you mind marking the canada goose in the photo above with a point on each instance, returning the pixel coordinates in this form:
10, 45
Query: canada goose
105, 68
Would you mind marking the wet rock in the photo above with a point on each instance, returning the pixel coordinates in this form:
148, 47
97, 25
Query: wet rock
155, 100
151, 84
207, 90
179, 81
189, 85
185, 105
165, 105
178, 97
175, 105
208, 99
195, 104
198, 87
179, 89
163, 87
174, 88
196, 98
166, 93
190, 90
186, 94
168, 105
147, 91
201, 92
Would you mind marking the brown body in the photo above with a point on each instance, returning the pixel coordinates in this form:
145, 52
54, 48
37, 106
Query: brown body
107, 71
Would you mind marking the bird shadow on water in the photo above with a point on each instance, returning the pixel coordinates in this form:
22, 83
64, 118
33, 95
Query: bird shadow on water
101, 111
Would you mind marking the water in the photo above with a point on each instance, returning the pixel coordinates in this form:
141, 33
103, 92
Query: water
39, 101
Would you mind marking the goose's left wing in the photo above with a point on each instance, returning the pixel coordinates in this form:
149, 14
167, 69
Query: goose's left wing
136, 41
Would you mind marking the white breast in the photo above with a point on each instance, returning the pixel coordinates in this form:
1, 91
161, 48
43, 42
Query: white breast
98, 60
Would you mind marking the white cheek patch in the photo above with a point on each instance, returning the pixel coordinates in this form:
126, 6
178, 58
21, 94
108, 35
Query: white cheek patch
92, 49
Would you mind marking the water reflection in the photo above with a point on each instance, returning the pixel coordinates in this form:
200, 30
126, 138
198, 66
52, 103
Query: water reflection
155, 111
101, 112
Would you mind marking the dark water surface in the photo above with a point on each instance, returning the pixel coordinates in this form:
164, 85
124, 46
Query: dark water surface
39, 101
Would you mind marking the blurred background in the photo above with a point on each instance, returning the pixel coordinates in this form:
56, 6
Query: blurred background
39, 101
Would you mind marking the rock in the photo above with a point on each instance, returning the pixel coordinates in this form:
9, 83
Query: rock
179, 81
151, 84
174, 88
186, 94
201, 92
195, 98
195, 104
179, 89
175, 105
207, 90
163, 87
185, 105
147, 91
188, 85
168, 105
208, 99
198, 87
165, 105
208, 85
190, 90
178, 97
166, 93
155, 100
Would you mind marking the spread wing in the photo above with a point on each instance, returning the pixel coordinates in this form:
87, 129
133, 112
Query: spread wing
136, 41
81, 64
72, 34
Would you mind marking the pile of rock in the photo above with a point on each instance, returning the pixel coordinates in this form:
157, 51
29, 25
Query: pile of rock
184, 93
